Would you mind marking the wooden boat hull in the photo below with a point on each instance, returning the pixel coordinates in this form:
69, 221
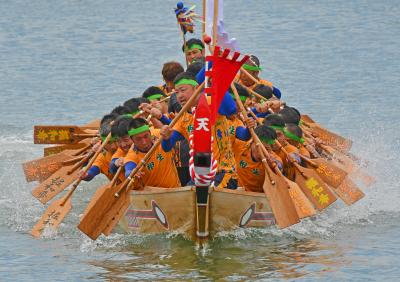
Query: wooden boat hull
157, 210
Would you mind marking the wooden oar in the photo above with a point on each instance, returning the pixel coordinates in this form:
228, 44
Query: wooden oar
54, 134
109, 204
58, 181
275, 188
312, 185
62, 206
303, 206
42, 168
48, 151
330, 138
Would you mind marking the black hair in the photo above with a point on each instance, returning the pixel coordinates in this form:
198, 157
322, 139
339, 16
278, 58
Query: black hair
108, 118
132, 104
263, 90
295, 129
191, 42
185, 75
265, 132
105, 128
120, 126
290, 115
240, 89
153, 90
136, 123
120, 110
195, 67
253, 60
274, 119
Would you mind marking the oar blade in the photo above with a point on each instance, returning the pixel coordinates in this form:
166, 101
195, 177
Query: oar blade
52, 217
303, 206
280, 201
60, 148
115, 219
307, 119
42, 168
314, 188
329, 173
55, 184
332, 139
53, 134
348, 192
102, 211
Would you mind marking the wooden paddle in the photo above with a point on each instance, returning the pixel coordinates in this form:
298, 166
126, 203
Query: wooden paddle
275, 188
48, 151
58, 181
42, 168
330, 138
303, 206
54, 134
57, 211
312, 185
109, 204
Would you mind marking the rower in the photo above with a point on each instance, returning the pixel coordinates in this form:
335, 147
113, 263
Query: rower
159, 170
169, 71
119, 130
103, 160
249, 160
226, 176
252, 66
193, 49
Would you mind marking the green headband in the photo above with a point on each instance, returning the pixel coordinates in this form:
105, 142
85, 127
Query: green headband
194, 46
127, 115
138, 130
267, 141
154, 97
186, 81
251, 68
277, 127
112, 139
292, 136
135, 113
242, 98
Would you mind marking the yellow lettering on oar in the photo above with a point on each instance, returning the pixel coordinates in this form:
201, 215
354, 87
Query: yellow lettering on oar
64, 135
316, 190
324, 169
42, 135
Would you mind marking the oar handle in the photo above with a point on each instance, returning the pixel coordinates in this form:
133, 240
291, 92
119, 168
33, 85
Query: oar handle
253, 134
166, 98
89, 165
185, 108
80, 163
72, 161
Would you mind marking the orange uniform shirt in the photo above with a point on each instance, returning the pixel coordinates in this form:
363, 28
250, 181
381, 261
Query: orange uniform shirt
102, 162
251, 174
159, 171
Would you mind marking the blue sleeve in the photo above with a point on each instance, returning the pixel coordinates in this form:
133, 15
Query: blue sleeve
242, 133
129, 166
276, 92
259, 115
92, 172
228, 106
201, 75
168, 144
165, 120
113, 168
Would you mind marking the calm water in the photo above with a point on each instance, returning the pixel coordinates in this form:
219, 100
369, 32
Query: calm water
67, 62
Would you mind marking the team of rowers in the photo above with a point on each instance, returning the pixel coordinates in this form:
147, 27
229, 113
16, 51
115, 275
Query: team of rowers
135, 125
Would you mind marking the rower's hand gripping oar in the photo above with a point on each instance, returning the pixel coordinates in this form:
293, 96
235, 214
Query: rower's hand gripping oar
108, 206
303, 206
275, 190
57, 211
